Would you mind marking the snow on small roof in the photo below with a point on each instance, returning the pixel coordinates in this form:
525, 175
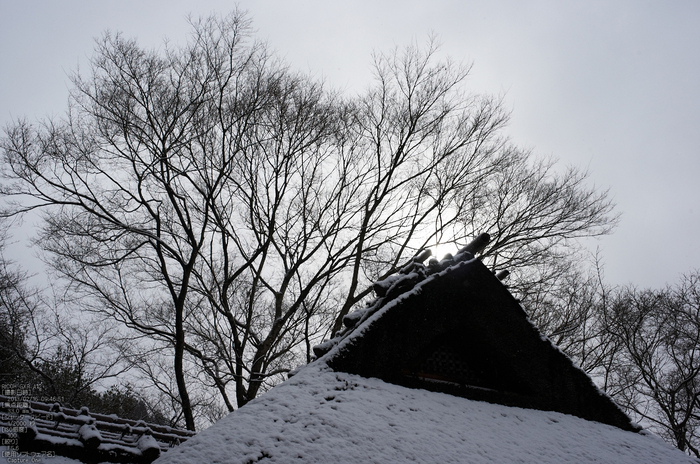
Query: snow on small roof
322, 416
50, 429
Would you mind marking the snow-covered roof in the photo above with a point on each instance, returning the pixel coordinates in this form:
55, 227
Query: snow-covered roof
401, 382
32, 428
323, 416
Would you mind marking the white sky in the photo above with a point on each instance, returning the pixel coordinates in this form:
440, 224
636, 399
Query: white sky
608, 86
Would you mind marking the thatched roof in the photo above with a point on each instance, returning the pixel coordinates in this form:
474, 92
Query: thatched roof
460, 331
399, 384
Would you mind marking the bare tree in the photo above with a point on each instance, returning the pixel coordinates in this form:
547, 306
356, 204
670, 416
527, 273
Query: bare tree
42, 344
131, 173
17, 304
176, 186
229, 212
422, 149
572, 307
640, 346
279, 241
534, 214
658, 370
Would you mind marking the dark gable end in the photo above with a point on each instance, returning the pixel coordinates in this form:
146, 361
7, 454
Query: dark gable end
460, 331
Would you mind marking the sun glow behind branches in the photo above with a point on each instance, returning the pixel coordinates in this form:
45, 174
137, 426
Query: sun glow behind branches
441, 249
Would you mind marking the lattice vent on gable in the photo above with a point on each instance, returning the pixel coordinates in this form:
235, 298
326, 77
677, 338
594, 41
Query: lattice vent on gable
466, 363
447, 365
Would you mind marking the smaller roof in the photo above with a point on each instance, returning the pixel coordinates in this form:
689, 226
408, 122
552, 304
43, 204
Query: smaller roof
50, 430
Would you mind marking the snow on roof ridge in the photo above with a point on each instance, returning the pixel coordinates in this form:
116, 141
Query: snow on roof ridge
396, 287
379, 306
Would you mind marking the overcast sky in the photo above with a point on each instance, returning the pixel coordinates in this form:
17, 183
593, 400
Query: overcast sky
610, 86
